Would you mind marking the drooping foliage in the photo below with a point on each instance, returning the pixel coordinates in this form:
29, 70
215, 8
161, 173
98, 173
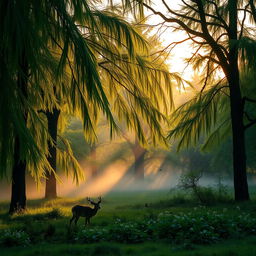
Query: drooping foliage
200, 116
137, 86
80, 60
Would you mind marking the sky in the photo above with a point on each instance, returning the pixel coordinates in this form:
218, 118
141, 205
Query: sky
176, 60
180, 52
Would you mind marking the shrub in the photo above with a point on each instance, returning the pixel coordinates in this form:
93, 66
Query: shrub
14, 238
205, 195
203, 228
200, 226
127, 233
147, 227
91, 235
122, 232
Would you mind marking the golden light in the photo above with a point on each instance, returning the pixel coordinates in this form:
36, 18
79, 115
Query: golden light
99, 185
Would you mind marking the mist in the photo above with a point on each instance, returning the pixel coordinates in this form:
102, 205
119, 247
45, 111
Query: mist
117, 177
110, 166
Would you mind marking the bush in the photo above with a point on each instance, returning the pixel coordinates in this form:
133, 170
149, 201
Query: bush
205, 195
127, 233
14, 238
91, 235
203, 228
197, 227
122, 232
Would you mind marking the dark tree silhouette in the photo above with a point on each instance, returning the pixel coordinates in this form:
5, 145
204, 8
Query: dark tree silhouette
18, 196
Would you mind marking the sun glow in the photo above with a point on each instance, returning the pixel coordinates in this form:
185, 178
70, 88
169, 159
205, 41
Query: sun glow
99, 185
168, 38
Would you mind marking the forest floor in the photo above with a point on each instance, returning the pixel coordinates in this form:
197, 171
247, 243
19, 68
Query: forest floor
142, 223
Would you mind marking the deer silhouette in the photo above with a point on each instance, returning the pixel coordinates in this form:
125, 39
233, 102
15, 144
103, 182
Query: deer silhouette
85, 211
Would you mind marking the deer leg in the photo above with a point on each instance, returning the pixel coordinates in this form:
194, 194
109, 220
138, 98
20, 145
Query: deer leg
77, 217
70, 222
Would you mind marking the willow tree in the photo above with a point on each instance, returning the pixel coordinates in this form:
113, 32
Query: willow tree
28, 28
30, 32
129, 77
147, 77
223, 35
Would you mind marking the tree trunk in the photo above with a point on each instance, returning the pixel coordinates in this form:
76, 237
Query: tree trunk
237, 112
93, 154
51, 184
18, 198
239, 153
139, 160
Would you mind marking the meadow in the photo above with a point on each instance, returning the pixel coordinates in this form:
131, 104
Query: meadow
133, 223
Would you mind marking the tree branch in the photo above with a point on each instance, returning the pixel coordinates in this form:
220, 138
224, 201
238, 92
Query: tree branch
253, 9
210, 58
250, 124
249, 99
242, 25
218, 14
215, 46
173, 20
248, 117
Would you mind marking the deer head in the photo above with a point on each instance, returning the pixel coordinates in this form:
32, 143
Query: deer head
96, 205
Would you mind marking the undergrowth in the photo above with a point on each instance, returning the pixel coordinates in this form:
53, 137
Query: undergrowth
177, 220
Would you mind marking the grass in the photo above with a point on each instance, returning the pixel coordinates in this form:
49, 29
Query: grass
227, 248
46, 222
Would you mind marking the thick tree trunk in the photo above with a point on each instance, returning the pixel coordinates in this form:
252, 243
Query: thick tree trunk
18, 198
51, 184
238, 133
237, 109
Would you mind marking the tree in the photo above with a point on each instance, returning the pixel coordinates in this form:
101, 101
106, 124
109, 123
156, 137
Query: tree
220, 31
33, 27
125, 71
47, 36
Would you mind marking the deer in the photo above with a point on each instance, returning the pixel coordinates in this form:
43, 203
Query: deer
85, 211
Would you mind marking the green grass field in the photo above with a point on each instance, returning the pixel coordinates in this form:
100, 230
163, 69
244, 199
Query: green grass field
134, 223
